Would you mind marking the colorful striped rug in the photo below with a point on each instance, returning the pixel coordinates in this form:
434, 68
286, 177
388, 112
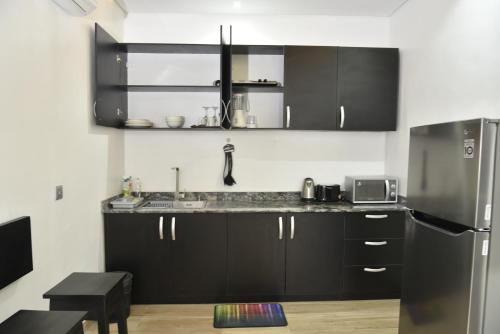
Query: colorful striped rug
249, 315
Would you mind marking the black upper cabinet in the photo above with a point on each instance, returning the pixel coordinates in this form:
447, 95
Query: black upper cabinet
310, 88
256, 255
133, 243
198, 265
367, 89
314, 252
325, 87
111, 99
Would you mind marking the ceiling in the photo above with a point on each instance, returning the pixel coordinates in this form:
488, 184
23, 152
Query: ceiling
382, 8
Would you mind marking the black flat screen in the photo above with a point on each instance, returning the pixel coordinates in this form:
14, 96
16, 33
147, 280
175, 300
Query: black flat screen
16, 258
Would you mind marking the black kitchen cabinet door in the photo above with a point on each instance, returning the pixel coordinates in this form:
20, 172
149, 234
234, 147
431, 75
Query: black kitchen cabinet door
372, 282
256, 256
133, 243
199, 256
111, 97
373, 252
314, 254
310, 88
370, 225
367, 89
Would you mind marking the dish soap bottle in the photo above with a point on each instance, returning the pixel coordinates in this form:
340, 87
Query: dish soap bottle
126, 186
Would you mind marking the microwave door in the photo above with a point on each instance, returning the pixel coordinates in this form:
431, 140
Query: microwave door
370, 191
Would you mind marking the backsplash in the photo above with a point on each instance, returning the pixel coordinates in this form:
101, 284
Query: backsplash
269, 161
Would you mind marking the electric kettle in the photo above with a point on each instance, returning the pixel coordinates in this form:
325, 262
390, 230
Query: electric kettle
308, 190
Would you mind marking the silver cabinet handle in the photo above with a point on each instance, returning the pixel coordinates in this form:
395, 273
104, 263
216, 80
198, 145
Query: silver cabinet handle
292, 228
376, 216
342, 117
288, 116
280, 223
374, 243
160, 227
95, 104
172, 228
375, 270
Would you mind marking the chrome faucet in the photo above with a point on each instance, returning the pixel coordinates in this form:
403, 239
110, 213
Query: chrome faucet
177, 194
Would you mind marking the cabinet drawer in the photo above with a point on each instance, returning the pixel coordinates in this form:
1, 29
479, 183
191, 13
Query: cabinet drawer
378, 224
373, 252
370, 282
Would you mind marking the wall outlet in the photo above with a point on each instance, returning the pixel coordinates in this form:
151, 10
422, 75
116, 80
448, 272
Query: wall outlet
59, 193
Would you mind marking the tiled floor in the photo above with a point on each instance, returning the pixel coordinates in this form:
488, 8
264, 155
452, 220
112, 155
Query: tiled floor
340, 317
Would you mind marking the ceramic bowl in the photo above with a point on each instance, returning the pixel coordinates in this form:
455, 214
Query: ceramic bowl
175, 121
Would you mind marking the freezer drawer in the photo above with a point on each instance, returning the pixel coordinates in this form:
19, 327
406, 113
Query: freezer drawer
372, 282
443, 280
373, 252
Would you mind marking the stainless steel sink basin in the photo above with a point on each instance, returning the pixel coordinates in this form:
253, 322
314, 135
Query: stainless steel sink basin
174, 205
189, 204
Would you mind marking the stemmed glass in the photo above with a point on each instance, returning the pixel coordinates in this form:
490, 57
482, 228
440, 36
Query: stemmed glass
215, 114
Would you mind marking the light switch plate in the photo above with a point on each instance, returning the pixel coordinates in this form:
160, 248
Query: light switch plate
59, 192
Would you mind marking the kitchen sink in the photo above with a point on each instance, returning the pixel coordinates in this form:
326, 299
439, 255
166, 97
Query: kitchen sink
174, 205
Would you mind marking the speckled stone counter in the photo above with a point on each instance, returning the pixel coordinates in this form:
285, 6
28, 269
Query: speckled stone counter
232, 202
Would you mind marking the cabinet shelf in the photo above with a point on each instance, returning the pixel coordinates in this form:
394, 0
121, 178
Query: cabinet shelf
257, 89
202, 129
258, 49
168, 88
171, 48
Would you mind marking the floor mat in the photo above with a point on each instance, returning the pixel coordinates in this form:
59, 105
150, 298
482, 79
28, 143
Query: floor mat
249, 315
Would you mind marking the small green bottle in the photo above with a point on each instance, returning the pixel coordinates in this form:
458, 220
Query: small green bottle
126, 186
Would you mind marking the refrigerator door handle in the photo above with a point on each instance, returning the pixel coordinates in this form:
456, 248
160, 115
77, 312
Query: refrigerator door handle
437, 228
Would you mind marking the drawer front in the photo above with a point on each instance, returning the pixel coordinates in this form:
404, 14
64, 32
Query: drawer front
373, 252
369, 282
373, 225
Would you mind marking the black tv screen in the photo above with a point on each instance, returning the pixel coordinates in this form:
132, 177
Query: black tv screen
16, 259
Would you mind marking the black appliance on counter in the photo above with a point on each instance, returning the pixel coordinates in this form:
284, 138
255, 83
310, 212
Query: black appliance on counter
327, 193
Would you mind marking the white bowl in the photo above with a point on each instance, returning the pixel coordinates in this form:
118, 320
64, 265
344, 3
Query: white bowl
175, 121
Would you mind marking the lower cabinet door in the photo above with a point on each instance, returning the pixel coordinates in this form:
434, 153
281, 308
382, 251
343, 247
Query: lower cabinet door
373, 252
256, 256
372, 282
314, 254
133, 243
198, 252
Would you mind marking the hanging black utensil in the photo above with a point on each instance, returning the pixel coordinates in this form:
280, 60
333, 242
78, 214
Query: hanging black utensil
228, 165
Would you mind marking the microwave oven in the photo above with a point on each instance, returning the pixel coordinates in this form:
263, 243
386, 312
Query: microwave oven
371, 189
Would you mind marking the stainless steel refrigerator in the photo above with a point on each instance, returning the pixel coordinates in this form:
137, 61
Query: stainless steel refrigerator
451, 275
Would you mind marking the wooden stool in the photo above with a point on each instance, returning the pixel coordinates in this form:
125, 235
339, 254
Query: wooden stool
101, 294
44, 322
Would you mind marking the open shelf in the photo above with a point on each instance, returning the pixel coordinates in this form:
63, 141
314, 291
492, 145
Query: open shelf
167, 88
171, 48
257, 89
257, 49
200, 129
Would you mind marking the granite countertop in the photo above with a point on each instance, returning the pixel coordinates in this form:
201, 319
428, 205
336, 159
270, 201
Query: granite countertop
250, 202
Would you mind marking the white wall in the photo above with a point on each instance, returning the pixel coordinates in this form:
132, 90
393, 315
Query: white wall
449, 67
264, 161
47, 138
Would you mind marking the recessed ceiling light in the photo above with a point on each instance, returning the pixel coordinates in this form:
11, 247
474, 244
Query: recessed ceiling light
236, 4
